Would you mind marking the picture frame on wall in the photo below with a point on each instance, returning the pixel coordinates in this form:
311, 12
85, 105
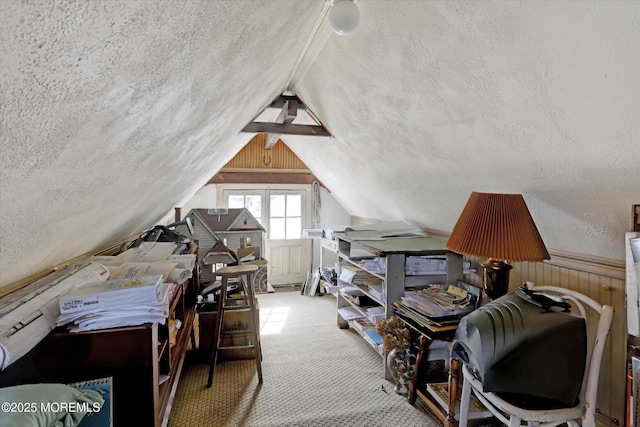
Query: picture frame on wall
636, 217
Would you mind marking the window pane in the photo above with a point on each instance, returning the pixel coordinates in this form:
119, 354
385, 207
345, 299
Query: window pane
254, 204
294, 228
277, 228
277, 206
294, 205
236, 201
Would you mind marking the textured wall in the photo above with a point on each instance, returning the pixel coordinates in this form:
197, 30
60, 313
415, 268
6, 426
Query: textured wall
433, 100
113, 112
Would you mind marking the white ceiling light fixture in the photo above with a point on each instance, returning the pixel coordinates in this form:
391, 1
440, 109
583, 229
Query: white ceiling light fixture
344, 17
287, 114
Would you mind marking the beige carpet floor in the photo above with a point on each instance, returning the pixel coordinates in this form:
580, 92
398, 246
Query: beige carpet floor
315, 375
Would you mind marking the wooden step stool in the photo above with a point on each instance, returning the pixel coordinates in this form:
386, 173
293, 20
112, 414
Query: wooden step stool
244, 302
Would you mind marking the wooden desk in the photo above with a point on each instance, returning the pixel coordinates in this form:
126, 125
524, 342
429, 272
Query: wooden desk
136, 357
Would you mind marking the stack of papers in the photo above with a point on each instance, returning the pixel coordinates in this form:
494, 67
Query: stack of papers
434, 305
415, 266
376, 264
349, 313
355, 275
384, 230
376, 291
115, 303
376, 314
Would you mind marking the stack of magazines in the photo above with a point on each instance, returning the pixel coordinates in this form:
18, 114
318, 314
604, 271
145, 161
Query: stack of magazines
115, 303
435, 306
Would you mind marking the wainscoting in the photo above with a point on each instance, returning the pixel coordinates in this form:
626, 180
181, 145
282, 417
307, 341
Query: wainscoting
604, 281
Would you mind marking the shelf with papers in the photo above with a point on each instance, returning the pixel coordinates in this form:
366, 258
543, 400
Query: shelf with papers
142, 361
362, 289
392, 262
329, 287
444, 330
356, 318
357, 263
377, 346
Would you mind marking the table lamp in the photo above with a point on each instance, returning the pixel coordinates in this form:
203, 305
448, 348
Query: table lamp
498, 227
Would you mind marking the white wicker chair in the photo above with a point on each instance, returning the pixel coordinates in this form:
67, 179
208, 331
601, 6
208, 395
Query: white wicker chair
581, 414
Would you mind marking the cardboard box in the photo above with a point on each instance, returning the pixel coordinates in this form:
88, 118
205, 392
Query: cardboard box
236, 326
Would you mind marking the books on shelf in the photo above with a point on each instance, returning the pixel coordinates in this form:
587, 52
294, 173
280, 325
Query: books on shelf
374, 336
440, 393
363, 324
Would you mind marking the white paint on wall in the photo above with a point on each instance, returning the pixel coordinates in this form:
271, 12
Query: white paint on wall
115, 112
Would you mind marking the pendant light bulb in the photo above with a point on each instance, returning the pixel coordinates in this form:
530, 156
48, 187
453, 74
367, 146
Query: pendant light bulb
344, 17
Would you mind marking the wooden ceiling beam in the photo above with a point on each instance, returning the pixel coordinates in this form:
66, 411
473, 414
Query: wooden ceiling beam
263, 177
284, 113
286, 129
292, 112
283, 125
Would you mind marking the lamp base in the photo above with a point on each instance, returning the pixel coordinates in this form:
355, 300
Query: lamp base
496, 277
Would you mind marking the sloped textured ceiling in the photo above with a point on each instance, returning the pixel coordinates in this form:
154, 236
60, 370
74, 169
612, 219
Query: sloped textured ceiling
114, 112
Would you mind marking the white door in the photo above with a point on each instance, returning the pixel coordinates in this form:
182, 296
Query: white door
284, 248
283, 213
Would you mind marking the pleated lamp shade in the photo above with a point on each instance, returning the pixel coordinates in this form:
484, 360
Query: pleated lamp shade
497, 226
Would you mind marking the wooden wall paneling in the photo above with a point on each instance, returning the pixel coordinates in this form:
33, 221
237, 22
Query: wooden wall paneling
255, 156
256, 165
606, 290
